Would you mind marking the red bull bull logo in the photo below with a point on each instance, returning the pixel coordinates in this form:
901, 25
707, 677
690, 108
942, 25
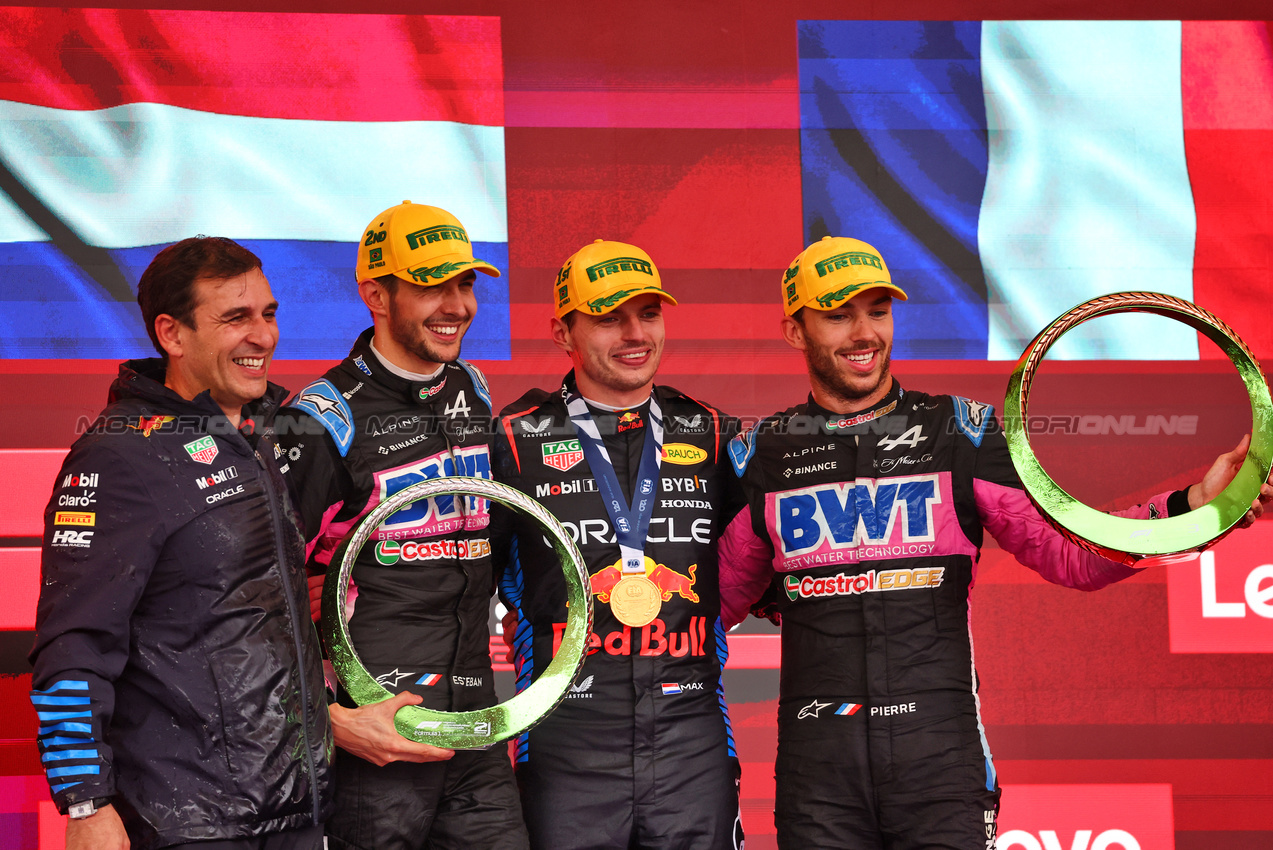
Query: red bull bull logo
629, 420
667, 580
147, 424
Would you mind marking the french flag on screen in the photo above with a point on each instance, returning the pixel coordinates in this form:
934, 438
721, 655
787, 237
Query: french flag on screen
124, 130
1008, 170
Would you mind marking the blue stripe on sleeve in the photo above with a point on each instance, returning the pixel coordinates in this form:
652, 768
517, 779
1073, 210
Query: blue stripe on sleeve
62, 715
66, 755
43, 700
86, 728
65, 742
74, 770
64, 685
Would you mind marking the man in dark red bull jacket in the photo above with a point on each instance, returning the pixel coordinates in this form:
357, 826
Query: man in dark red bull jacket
867, 506
640, 754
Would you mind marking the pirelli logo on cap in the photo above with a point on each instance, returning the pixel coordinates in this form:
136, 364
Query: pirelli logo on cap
436, 234
848, 258
620, 264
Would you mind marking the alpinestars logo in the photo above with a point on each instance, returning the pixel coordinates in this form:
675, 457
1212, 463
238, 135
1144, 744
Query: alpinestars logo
392, 678
325, 405
811, 710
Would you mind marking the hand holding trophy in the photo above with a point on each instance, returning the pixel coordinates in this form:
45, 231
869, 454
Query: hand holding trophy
1130, 541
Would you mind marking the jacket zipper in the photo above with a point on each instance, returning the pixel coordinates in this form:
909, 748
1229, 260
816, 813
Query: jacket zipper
296, 636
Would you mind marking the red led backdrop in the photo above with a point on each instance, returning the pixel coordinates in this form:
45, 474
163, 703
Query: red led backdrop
678, 127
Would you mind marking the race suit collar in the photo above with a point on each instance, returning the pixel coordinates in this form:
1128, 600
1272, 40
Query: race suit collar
365, 362
839, 421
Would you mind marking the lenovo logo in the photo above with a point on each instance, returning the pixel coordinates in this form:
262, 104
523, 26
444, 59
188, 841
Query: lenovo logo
1048, 839
1086, 817
1222, 601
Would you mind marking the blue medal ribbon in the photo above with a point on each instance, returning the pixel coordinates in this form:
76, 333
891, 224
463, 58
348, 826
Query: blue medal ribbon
630, 523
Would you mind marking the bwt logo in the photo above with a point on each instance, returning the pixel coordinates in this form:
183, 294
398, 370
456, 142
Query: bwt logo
1222, 601
863, 511
440, 514
1048, 839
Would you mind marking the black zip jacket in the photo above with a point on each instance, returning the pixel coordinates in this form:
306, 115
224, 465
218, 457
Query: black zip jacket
176, 669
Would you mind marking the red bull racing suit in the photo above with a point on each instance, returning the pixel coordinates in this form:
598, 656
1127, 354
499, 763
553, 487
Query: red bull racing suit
640, 754
867, 529
420, 589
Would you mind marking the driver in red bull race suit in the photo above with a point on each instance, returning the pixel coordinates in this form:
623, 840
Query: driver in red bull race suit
640, 753
400, 409
867, 508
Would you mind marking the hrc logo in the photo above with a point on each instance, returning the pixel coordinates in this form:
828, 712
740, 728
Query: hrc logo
856, 513
441, 514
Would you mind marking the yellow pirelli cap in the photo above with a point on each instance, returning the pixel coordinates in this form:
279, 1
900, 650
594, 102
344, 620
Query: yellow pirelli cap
833, 270
418, 243
601, 276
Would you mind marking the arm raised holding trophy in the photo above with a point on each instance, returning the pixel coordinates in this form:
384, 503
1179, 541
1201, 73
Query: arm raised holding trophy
867, 510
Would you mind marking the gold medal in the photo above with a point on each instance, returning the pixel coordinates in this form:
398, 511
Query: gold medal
635, 601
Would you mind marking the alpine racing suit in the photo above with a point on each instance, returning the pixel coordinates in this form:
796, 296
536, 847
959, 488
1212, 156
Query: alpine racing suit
177, 672
420, 589
640, 753
867, 529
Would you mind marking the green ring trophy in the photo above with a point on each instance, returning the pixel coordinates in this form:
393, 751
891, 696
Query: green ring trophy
485, 726
1129, 540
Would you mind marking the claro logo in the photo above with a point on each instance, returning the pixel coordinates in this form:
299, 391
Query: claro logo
1086, 817
1222, 601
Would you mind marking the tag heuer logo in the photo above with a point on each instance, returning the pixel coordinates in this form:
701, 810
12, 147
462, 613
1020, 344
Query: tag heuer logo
562, 455
202, 450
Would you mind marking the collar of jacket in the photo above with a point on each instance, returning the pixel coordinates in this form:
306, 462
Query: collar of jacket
143, 379
419, 392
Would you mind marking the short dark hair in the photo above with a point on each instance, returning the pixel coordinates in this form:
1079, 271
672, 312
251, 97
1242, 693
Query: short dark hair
389, 282
167, 284
569, 318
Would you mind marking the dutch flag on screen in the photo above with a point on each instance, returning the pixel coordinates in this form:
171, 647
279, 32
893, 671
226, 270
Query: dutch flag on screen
1009, 170
124, 130
671, 688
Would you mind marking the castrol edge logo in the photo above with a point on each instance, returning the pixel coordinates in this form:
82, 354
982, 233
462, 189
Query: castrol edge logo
1222, 600
809, 587
1085, 817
